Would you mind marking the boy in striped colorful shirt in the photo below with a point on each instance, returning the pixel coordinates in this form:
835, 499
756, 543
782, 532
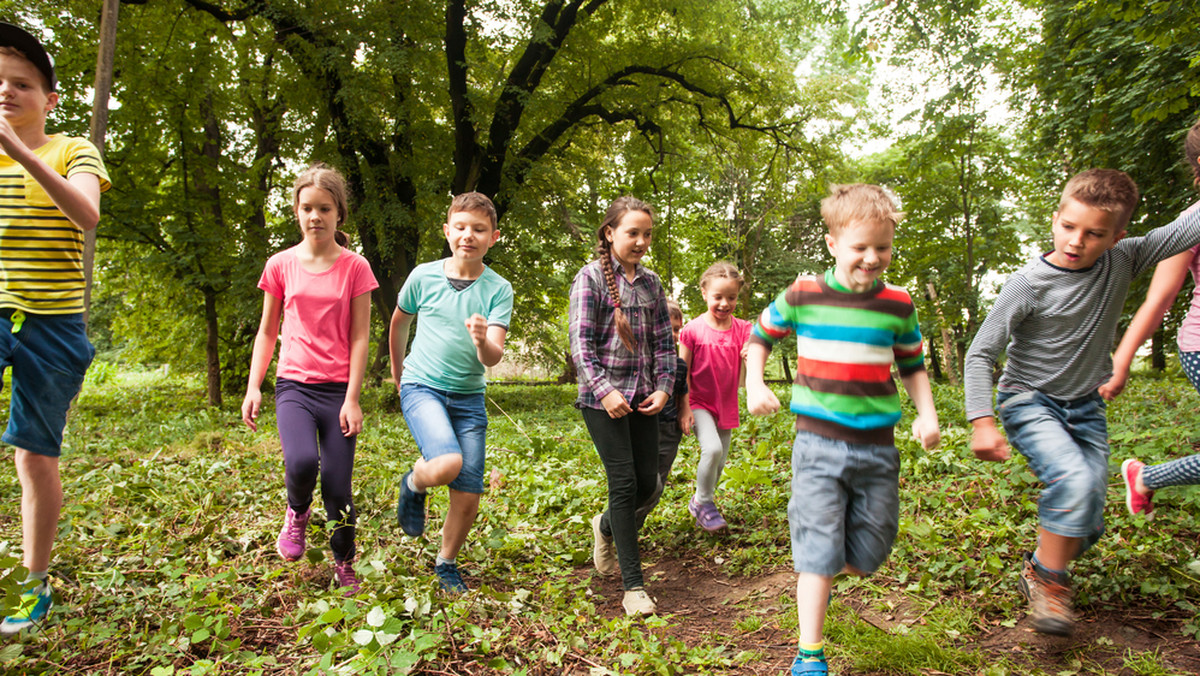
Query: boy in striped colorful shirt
850, 328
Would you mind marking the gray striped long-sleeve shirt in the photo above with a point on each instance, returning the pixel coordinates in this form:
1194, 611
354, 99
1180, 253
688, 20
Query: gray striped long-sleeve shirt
1058, 325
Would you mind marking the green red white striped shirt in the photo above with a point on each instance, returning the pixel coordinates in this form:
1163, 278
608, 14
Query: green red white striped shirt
846, 344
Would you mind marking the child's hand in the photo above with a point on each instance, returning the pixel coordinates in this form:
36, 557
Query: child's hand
686, 420
987, 442
351, 418
760, 400
925, 430
652, 404
616, 406
9, 141
250, 406
477, 328
1115, 385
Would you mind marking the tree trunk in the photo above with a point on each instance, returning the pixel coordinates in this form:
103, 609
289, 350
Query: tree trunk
947, 344
99, 126
1158, 355
212, 345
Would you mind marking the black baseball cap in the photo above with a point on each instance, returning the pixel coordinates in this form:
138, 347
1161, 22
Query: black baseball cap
24, 42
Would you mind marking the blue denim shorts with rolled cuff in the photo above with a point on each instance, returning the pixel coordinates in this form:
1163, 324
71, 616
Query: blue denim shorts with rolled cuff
845, 504
49, 356
1066, 444
444, 422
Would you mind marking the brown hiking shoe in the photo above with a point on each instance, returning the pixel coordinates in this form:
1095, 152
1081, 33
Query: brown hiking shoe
1050, 602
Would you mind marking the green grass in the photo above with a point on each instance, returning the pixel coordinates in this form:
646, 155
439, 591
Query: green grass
165, 561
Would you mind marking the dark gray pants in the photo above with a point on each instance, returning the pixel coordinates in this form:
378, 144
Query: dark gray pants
628, 447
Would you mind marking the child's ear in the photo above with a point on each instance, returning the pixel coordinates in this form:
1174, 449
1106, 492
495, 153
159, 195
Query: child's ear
829, 242
495, 235
51, 101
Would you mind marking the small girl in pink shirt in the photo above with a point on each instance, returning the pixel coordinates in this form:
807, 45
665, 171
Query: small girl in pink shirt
322, 290
714, 347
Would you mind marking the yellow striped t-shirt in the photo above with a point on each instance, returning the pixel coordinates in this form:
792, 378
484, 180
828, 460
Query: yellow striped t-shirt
41, 251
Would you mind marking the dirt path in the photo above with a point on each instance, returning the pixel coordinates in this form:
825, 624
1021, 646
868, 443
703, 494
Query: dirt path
709, 606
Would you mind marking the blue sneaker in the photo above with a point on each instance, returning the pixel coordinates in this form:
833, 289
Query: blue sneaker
450, 579
35, 604
802, 668
410, 509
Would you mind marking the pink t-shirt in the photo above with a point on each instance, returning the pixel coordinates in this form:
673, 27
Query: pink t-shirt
315, 345
716, 367
1188, 336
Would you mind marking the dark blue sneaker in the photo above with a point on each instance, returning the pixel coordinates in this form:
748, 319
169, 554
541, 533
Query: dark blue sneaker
802, 668
450, 579
410, 509
35, 604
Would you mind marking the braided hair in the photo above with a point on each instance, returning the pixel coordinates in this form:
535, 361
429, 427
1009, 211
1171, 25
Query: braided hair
321, 175
612, 219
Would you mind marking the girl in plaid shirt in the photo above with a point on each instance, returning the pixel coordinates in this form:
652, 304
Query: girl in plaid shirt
624, 353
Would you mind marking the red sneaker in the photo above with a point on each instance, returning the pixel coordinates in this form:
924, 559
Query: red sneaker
1135, 502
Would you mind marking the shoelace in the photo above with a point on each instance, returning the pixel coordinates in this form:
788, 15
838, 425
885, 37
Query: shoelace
294, 527
451, 573
346, 576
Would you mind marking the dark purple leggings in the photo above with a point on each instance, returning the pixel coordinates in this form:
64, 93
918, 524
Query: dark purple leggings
311, 434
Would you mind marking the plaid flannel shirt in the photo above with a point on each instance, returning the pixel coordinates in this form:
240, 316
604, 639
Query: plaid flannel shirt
602, 362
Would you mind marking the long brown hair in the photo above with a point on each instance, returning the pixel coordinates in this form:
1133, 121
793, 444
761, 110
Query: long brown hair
321, 175
612, 219
1191, 149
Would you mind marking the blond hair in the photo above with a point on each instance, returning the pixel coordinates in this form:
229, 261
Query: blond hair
1104, 189
473, 201
9, 50
858, 202
321, 175
721, 270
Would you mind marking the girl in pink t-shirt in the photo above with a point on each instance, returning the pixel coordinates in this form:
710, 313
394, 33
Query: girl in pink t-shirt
713, 345
323, 292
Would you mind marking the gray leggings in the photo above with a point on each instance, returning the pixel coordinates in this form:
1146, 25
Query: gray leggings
714, 451
313, 445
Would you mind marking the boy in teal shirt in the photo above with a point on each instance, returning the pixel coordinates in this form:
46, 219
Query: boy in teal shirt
464, 309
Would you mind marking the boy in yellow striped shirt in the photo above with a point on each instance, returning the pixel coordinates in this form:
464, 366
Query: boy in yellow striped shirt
50, 189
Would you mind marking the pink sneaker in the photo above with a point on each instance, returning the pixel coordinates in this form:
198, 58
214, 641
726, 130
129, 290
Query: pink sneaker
343, 574
1135, 502
290, 544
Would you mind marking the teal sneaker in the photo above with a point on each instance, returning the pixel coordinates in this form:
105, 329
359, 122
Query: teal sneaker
35, 604
801, 667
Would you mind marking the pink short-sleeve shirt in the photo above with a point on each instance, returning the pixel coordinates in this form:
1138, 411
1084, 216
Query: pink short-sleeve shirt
315, 343
716, 367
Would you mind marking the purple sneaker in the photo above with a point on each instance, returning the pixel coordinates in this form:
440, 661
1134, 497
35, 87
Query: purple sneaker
290, 544
707, 516
343, 574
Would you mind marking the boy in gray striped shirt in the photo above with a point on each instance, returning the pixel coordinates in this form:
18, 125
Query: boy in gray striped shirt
1056, 318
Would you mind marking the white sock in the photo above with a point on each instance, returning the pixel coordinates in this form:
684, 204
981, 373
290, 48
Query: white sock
439, 561
412, 484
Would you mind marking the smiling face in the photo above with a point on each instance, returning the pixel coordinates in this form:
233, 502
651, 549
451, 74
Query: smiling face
630, 239
24, 101
317, 213
470, 234
1082, 234
721, 295
861, 250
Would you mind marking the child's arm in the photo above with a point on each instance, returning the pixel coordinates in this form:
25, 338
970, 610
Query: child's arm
1012, 306
264, 348
686, 418
351, 415
760, 400
398, 342
664, 357
1168, 279
925, 427
78, 197
685, 353
489, 340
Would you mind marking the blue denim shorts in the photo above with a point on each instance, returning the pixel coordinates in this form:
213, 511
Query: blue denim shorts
49, 355
446, 422
1066, 444
845, 504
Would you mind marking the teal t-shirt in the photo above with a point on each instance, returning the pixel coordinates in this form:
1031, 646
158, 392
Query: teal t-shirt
442, 355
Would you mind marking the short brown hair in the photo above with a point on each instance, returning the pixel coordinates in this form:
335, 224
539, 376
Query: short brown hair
8, 50
858, 202
674, 311
1191, 150
473, 201
1104, 189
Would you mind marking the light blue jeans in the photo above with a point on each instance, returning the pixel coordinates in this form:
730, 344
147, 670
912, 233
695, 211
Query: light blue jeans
445, 422
1066, 444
